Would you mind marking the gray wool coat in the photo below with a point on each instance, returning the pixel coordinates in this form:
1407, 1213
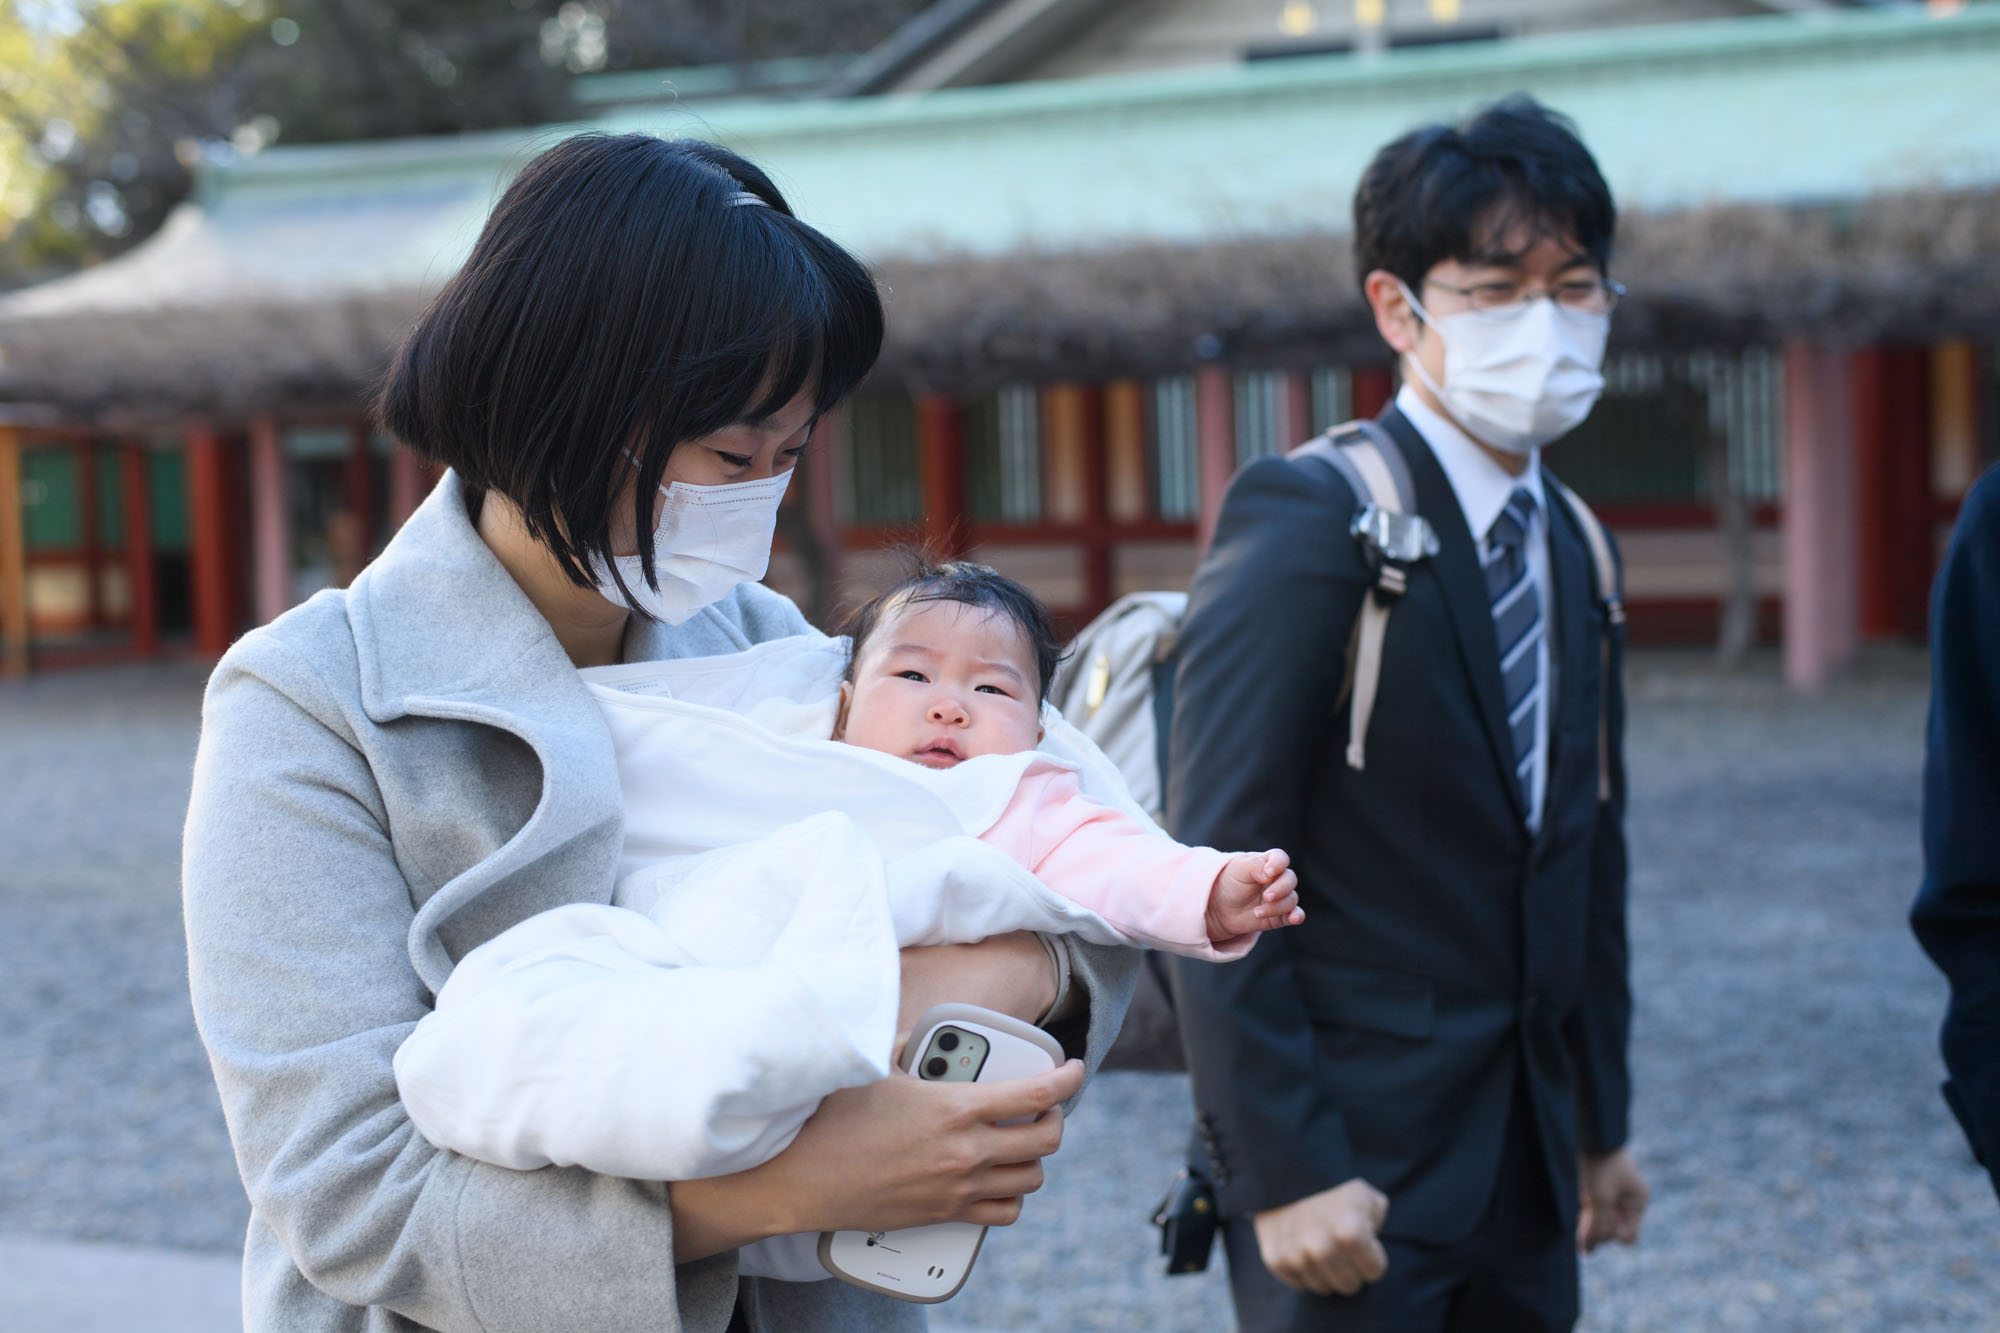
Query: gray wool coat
386, 778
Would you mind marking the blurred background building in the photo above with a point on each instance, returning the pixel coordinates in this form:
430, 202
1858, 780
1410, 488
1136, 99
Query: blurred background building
1113, 234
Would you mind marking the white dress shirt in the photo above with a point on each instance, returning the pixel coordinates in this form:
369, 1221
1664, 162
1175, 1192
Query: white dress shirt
1482, 487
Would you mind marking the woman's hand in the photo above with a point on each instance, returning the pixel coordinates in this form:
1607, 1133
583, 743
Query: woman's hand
1010, 974
896, 1153
940, 1152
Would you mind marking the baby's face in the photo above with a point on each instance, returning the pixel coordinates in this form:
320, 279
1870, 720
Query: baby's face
941, 682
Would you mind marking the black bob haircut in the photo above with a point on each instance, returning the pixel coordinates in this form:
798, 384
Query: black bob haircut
623, 296
968, 584
1460, 191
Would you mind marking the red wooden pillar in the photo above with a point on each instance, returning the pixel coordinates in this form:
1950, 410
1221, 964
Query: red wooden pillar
135, 490
408, 484
1215, 443
1371, 388
93, 534
360, 485
941, 463
1892, 456
824, 466
13, 559
270, 524
1821, 584
1875, 602
208, 535
1096, 499
1912, 553
236, 530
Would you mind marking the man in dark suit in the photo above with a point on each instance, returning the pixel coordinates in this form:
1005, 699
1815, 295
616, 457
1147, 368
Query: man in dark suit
1413, 1106
1957, 915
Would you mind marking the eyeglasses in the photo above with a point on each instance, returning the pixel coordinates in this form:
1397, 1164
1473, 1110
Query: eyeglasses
1579, 298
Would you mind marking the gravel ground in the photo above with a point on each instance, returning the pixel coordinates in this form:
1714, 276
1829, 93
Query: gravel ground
109, 1126
1806, 1175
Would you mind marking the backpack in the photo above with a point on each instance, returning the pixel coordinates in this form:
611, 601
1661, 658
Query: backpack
1116, 685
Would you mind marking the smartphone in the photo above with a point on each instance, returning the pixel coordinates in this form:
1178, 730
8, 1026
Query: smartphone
951, 1043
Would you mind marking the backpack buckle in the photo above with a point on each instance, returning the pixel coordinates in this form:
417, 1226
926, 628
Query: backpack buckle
1395, 538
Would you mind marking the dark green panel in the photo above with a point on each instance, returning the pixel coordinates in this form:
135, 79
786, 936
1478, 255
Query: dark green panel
884, 485
166, 473
52, 499
983, 488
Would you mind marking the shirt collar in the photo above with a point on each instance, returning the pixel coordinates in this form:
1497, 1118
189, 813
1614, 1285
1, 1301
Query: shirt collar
1481, 484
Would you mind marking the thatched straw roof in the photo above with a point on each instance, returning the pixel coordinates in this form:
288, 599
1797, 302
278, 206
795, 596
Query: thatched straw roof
1916, 266
229, 361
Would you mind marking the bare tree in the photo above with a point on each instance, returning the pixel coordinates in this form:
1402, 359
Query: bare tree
182, 82
642, 33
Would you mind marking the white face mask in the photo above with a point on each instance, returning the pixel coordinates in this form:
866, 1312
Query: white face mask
709, 539
1517, 382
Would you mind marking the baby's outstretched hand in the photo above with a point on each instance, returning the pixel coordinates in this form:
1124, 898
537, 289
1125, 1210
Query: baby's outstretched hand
1255, 891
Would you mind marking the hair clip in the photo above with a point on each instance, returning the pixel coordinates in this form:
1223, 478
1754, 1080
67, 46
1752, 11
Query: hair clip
742, 197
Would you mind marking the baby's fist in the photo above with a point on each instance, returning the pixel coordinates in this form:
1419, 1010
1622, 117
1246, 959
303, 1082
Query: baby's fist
1280, 905
1255, 891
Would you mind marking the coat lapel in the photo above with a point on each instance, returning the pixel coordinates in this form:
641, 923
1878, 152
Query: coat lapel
1463, 584
442, 630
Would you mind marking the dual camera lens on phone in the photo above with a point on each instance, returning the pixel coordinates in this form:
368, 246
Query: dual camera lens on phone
937, 1066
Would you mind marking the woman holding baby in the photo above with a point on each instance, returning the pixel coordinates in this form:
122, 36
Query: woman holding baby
620, 380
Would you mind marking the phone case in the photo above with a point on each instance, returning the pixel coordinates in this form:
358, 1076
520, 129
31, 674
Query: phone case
931, 1264
1018, 1063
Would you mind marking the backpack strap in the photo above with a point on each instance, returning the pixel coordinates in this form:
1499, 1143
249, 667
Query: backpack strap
1394, 536
1611, 596
1369, 460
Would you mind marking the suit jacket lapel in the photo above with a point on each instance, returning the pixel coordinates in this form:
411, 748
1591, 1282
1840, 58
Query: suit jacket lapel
1463, 584
1574, 594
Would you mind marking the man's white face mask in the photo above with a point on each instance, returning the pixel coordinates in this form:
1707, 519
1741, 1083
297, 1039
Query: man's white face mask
709, 539
1517, 377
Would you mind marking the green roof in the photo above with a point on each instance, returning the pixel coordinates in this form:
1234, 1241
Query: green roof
1789, 108
1766, 110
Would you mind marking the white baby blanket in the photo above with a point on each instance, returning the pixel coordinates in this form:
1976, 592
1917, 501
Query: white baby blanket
748, 964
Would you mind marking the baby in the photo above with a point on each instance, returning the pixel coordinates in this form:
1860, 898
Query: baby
746, 900
954, 663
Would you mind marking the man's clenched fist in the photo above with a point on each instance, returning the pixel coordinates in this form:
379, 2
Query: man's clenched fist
1325, 1243
1612, 1198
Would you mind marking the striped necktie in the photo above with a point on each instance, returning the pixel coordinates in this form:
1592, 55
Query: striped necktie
1517, 622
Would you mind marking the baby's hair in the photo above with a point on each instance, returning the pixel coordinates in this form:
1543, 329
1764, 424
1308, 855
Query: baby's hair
968, 584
